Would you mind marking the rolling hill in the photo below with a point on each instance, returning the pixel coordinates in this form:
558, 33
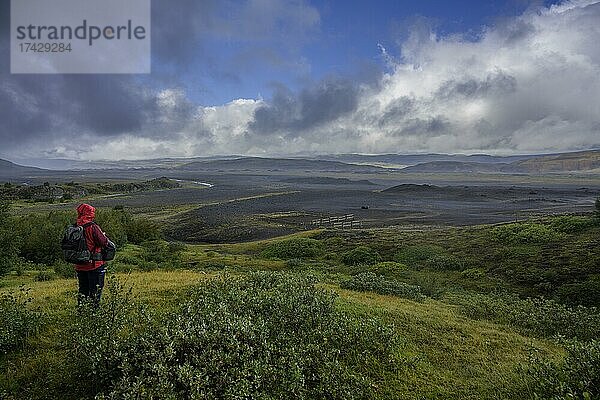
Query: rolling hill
554, 163
577, 161
10, 170
414, 159
464, 167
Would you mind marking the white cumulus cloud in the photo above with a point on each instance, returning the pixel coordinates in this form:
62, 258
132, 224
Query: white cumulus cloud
526, 84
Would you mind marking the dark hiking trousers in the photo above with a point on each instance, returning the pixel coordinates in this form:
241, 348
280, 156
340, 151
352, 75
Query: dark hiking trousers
91, 284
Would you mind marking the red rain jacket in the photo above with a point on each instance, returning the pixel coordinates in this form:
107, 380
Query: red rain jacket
96, 239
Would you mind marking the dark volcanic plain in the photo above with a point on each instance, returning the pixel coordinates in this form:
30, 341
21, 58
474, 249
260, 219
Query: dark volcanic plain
261, 198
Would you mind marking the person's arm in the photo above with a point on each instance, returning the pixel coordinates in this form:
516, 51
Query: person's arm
99, 237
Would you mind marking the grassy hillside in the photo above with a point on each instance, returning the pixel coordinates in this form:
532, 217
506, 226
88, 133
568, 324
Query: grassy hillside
388, 313
437, 344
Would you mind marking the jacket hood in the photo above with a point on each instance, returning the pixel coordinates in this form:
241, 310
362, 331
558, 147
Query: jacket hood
85, 214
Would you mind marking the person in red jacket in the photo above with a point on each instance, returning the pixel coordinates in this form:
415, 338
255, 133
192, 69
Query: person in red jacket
91, 274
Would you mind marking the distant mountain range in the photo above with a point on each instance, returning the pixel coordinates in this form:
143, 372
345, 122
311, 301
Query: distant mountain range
345, 163
564, 162
62, 164
382, 160
275, 165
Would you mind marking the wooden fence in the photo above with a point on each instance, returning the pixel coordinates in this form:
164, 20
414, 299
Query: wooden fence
342, 222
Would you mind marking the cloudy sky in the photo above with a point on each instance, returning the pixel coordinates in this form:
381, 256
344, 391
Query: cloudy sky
275, 77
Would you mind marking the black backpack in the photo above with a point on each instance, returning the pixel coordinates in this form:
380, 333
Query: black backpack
75, 249
74, 244
108, 253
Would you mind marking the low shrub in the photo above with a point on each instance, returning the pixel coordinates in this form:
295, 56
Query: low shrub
571, 223
43, 276
575, 377
368, 281
130, 259
98, 336
331, 256
268, 335
522, 233
294, 264
432, 285
518, 251
41, 235
211, 254
10, 247
117, 266
388, 268
442, 262
114, 223
17, 320
159, 253
473, 273
586, 293
415, 256
293, 248
537, 316
213, 265
64, 270
153, 266
361, 255
140, 230
335, 242
126, 261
